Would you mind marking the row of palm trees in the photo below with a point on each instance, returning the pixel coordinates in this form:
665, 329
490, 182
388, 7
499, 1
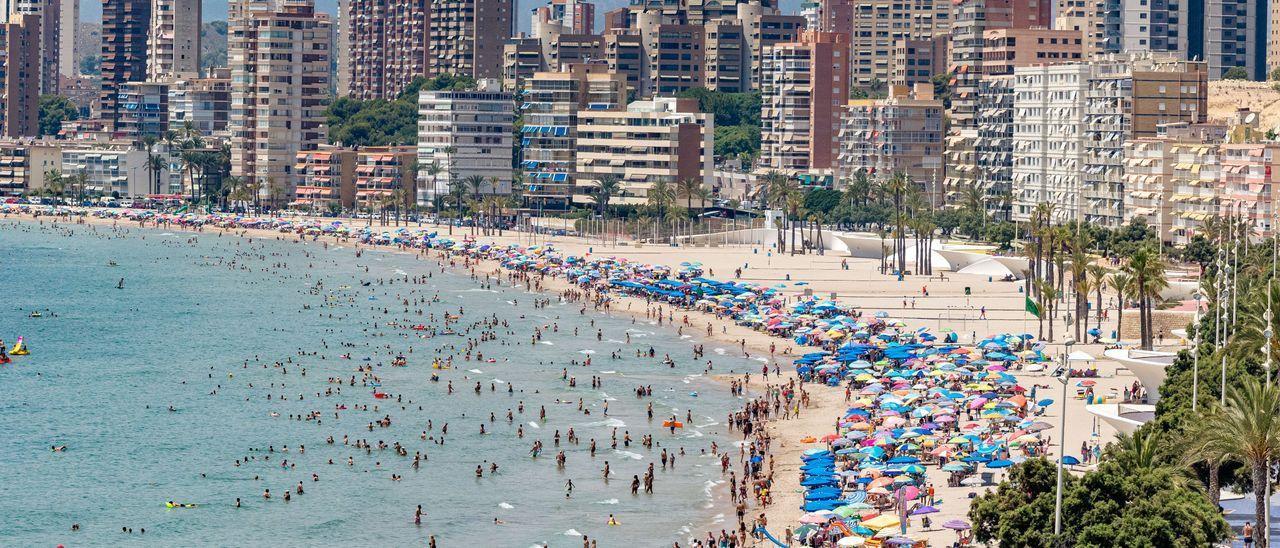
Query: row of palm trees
1054, 251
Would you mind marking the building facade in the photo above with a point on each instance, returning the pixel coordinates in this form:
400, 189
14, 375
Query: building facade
124, 51
1049, 139
465, 37
804, 89
550, 107
877, 27
902, 133
465, 134
173, 48
204, 104
664, 139
280, 81
326, 179
144, 110
20, 76
387, 41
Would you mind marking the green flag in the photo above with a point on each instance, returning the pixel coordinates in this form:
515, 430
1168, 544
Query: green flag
1033, 308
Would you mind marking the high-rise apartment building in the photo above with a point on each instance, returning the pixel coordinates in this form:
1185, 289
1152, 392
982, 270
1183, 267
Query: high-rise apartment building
202, 103
173, 49
1131, 97
1096, 22
68, 25
280, 81
144, 110
124, 51
876, 27
916, 61
1234, 35
49, 35
564, 17
465, 133
20, 76
551, 105
971, 20
805, 86
465, 37
901, 133
387, 41
665, 140
1162, 27
1050, 139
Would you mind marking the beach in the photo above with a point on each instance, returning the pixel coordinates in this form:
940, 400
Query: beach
957, 303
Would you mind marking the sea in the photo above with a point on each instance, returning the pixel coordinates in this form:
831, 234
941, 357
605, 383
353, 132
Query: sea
163, 357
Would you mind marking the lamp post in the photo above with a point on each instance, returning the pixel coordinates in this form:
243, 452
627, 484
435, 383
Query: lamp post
1065, 379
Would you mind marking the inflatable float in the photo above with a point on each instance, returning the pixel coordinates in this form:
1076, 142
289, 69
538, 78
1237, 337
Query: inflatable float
672, 424
20, 348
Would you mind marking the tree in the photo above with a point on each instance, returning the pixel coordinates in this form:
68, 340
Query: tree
1115, 505
1147, 269
91, 65
661, 196
604, 191
1236, 73
1247, 429
1122, 284
54, 110
687, 188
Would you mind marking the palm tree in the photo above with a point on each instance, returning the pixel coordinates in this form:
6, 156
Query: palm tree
661, 195
1049, 296
795, 201
55, 183
899, 187
688, 188
148, 144
1246, 429
433, 171
1147, 269
606, 188
457, 191
1122, 284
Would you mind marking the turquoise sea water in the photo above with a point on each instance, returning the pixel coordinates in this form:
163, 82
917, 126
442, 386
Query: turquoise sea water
107, 364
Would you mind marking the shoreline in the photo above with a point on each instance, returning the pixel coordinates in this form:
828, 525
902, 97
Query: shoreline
785, 447
823, 406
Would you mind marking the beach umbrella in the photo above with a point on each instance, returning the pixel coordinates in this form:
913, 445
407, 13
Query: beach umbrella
972, 481
957, 525
1002, 463
819, 517
882, 521
1070, 460
851, 541
924, 510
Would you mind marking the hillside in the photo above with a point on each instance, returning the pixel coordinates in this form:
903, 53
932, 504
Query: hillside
1225, 96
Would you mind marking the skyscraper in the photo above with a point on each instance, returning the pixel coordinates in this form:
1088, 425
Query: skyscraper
19, 64
173, 50
387, 44
48, 35
280, 79
465, 37
124, 51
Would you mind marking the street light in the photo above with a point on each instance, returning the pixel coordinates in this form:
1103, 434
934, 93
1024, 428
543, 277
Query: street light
1065, 379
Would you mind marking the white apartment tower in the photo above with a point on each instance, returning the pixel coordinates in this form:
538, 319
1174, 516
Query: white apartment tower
465, 133
1049, 138
173, 48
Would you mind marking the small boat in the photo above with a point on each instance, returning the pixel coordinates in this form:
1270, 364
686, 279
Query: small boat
37, 314
400, 361
112, 263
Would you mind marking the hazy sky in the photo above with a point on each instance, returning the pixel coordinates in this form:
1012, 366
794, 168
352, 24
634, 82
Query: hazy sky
91, 10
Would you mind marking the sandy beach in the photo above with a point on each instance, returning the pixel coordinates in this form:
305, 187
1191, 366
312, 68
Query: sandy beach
955, 302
